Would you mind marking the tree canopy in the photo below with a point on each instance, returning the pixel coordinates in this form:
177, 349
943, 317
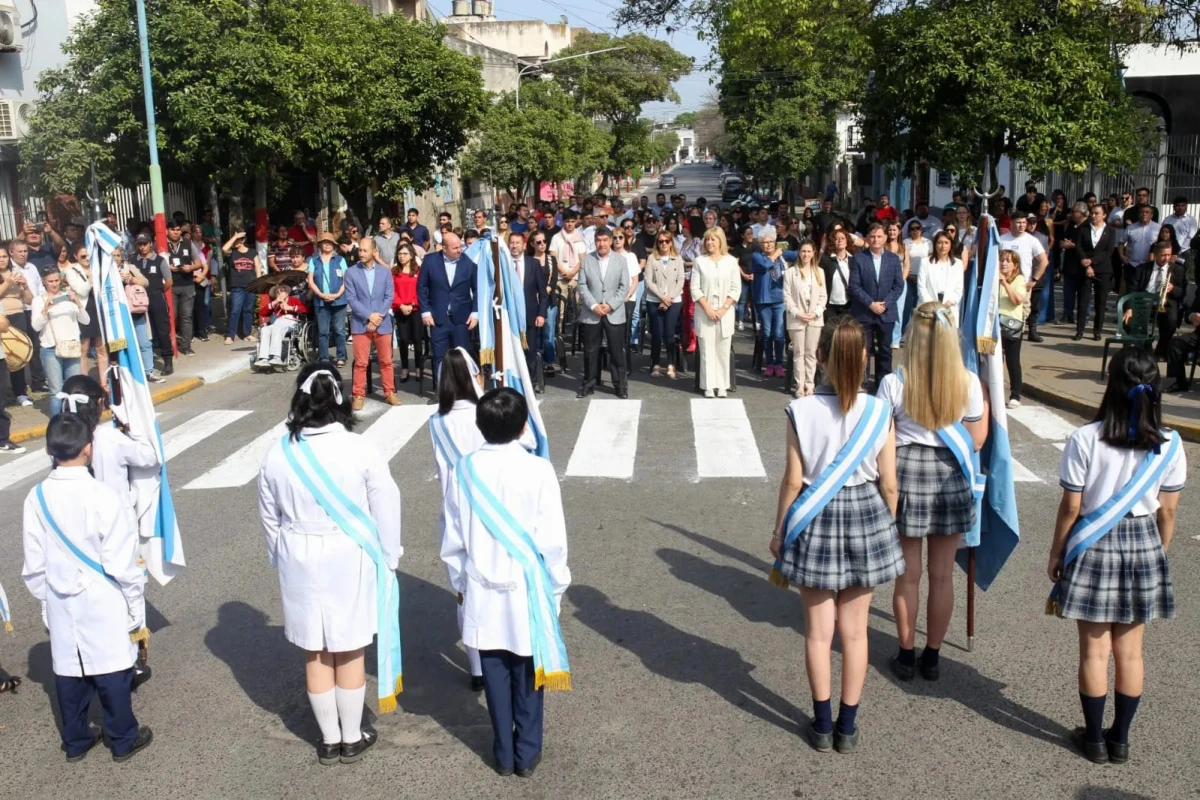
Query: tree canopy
242, 88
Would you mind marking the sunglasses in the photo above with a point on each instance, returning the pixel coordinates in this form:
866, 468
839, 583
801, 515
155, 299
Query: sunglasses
664, 241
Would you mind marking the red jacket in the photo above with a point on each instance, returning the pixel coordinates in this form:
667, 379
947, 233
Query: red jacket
406, 290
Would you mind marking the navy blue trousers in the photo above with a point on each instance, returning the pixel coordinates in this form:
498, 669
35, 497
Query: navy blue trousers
514, 706
74, 698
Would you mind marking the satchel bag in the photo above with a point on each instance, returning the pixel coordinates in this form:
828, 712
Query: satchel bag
1011, 328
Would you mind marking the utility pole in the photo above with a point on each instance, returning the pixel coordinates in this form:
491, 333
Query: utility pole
156, 184
538, 65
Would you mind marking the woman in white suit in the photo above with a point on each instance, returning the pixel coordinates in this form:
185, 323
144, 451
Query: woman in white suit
327, 579
941, 279
716, 286
804, 297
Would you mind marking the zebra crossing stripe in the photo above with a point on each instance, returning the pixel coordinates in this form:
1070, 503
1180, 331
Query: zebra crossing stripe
725, 446
607, 441
242, 466
1042, 422
183, 436
392, 431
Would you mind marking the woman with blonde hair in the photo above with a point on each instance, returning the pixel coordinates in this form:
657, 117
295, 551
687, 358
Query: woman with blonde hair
835, 532
805, 296
1012, 297
715, 287
664, 299
941, 419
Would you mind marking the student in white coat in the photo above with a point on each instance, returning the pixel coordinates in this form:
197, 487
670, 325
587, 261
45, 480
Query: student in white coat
336, 563
114, 453
505, 549
81, 563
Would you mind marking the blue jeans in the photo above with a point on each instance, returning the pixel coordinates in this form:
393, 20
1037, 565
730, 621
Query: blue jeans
331, 317
1046, 314
901, 303
550, 336
741, 303
141, 329
636, 319
662, 331
241, 308
206, 321
57, 370
773, 333
1070, 286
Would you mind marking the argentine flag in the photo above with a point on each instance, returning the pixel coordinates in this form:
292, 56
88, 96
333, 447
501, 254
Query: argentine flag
996, 533
509, 361
159, 544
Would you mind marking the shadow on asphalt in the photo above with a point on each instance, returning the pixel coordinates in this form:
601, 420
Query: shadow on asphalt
959, 681
684, 658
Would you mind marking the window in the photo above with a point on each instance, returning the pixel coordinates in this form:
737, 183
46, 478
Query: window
944, 180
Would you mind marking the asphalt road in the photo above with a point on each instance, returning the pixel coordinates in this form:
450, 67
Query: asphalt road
688, 666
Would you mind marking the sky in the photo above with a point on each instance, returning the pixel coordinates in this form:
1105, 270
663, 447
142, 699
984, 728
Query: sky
597, 15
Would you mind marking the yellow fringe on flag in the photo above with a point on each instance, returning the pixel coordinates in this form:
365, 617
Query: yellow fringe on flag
487, 356
8, 627
1052, 609
116, 345
388, 704
140, 635
554, 682
775, 578
985, 345
524, 341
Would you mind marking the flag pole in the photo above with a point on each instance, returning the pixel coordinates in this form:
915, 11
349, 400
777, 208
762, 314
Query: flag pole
498, 363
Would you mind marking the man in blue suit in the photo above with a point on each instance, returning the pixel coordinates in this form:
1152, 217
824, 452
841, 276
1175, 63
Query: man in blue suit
369, 291
876, 280
446, 294
537, 296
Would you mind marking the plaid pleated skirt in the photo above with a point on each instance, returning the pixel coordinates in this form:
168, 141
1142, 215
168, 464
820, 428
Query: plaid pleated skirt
1122, 578
852, 542
935, 498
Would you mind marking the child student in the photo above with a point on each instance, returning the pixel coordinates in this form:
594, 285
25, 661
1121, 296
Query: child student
1121, 477
81, 563
505, 549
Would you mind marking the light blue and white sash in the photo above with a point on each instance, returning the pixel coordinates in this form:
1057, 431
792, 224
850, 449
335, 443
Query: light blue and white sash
359, 526
872, 425
444, 442
958, 439
5, 613
1095, 526
551, 668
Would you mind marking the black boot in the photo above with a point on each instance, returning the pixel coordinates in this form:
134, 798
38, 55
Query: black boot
1034, 336
168, 365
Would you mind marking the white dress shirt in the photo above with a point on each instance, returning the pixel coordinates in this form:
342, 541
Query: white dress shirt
1185, 229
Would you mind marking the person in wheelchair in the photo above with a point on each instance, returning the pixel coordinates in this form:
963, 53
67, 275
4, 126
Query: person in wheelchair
283, 313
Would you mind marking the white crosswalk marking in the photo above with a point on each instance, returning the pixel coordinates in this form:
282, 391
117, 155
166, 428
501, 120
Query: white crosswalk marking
607, 441
183, 436
1022, 474
241, 467
725, 446
1042, 422
21, 468
397, 425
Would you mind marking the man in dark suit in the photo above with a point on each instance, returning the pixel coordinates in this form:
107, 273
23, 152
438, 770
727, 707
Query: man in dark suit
537, 297
1096, 245
1181, 347
1156, 276
876, 280
1073, 272
446, 294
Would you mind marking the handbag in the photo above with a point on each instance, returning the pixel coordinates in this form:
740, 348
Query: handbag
1011, 328
137, 298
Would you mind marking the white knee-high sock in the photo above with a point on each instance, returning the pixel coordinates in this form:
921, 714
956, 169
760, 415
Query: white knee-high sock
326, 710
350, 711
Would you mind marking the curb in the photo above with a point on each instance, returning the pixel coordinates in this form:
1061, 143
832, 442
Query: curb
160, 396
1189, 430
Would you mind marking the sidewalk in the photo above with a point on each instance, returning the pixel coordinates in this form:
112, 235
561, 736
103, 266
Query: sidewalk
1064, 373
213, 362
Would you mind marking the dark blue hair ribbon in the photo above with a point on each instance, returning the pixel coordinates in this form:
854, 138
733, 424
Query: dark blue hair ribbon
1135, 397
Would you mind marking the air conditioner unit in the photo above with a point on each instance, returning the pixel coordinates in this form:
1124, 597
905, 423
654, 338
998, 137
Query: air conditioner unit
14, 119
10, 27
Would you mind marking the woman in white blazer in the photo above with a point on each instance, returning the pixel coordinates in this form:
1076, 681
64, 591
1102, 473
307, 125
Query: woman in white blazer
941, 279
716, 285
327, 580
804, 297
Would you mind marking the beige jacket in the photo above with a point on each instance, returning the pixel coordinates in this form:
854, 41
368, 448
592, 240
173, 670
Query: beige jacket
802, 296
664, 278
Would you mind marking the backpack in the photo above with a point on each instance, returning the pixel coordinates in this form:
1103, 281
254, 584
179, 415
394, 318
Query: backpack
137, 298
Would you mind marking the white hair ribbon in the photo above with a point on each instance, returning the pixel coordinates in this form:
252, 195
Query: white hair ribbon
73, 401
306, 387
473, 368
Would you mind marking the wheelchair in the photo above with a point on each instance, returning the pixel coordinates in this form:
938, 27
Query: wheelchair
300, 344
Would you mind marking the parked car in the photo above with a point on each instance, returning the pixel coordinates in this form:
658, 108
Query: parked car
667, 182
732, 188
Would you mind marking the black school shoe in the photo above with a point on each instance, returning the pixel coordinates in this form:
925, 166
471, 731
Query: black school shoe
1096, 752
904, 672
97, 737
1117, 753
476, 683
353, 752
845, 743
527, 772
821, 742
328, 754
144, 737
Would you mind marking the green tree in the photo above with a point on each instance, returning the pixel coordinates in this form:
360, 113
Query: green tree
663, 146
686, 120
247, 88
965, 80
547, 139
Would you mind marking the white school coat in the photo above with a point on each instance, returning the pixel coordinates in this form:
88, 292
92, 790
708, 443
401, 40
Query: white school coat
327, 580
113, 453
460, 423
89, 618
495, 601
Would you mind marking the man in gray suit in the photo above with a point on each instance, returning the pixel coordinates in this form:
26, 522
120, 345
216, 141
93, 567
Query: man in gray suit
603, 284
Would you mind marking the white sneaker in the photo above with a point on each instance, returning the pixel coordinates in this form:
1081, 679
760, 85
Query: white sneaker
154, 376
741, 326
11, 448
23, 400
721, 393
1014, 403
276, 362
